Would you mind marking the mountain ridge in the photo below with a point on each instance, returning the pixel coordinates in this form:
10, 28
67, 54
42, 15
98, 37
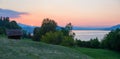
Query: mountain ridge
27, 28
97, 28
30, 29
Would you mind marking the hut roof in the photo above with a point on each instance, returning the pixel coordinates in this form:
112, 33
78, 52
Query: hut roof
13, 32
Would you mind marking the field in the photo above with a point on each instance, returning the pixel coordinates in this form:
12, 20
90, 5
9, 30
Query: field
99, 53
27, 49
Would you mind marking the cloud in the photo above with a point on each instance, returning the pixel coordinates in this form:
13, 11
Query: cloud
11, 13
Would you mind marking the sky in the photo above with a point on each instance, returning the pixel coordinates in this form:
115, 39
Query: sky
84, 13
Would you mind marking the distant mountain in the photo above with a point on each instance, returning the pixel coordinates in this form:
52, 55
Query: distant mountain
30, 29
95, 28
86, 28
113, 27
27, 28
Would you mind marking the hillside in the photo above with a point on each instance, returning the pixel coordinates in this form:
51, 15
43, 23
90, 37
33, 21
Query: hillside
26, 49
114, 27
27, 28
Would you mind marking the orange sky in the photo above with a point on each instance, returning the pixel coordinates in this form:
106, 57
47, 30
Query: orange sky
78, 12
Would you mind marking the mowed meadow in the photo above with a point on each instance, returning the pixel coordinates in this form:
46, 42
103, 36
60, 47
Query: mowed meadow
27, 49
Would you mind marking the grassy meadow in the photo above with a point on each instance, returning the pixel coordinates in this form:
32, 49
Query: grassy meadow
27, 49
99, 53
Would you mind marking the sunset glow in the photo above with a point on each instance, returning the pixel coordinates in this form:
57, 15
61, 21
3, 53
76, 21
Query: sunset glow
94, 13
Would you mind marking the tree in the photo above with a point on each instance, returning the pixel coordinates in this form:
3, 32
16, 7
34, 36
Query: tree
36, 34
24, 34
14, 25
5, 23
79, 43
67, 29
94, 43
47, 26
112, 40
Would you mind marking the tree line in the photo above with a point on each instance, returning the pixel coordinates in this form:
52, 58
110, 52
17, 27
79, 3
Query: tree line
5, 23
92, 43
49, 34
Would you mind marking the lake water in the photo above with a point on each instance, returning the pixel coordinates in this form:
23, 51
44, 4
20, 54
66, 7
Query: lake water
86, 35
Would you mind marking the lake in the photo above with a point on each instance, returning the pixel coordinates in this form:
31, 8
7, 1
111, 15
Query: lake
86, 35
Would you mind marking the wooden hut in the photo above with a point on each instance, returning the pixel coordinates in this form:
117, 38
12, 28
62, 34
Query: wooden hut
14, 33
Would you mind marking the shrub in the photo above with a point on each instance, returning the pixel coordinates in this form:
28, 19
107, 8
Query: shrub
93, 43
53, 37
68, 41
2, 30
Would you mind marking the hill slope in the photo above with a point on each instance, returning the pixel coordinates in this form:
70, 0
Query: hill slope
26, 49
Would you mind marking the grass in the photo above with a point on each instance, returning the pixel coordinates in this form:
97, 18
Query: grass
99, 53
27, 49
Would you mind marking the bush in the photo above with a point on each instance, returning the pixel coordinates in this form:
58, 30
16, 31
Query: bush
68, 41
57, 38
2, 30
53, 37
93, 43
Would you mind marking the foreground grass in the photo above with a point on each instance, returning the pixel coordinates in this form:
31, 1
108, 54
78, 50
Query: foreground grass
99, 53
26, 49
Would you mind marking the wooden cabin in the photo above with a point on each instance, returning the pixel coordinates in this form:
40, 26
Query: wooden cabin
14, 33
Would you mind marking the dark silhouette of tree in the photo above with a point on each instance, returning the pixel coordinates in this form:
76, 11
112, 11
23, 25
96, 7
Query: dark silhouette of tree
112, 40
48, 25
67, 29
93, 43
36, 34
5, 23
14, 25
